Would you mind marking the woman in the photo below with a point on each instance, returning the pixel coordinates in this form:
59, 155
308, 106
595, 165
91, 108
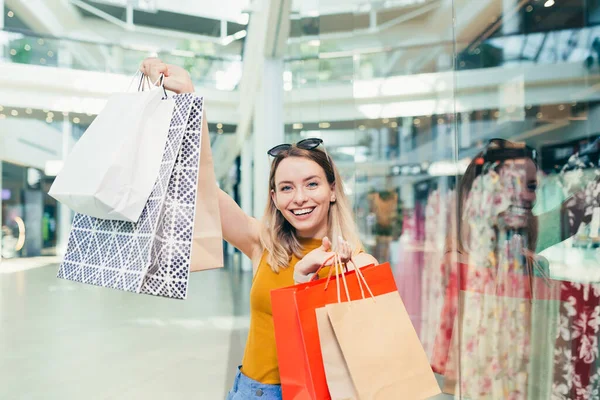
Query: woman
307, 206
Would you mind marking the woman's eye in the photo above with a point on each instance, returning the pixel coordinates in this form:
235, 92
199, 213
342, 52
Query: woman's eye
313, 185
532, 187
285, 188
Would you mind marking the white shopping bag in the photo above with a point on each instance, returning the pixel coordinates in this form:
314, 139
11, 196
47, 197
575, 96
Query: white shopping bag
112, 169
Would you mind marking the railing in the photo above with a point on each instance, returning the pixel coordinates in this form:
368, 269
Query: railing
326, 68
25, 47
320, 68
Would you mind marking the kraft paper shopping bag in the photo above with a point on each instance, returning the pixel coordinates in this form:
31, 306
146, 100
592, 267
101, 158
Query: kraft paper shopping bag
381, 348
338, 377
207, 246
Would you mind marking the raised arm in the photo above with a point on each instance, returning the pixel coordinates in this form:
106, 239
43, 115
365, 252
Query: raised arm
239, 229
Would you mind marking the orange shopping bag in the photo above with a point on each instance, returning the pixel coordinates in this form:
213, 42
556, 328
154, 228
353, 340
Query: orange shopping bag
296, 329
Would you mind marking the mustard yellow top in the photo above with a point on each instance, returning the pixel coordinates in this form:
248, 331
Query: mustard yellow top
260, 356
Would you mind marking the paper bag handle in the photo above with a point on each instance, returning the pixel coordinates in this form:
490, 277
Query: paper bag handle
145, 81
360, 277
315, 275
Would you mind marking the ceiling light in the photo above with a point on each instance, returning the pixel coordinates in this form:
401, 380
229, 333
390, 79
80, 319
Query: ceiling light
314, 43
1, 108
440, 121
386, 120
50, 114
29, 111
42, 61
561, 107
298, 126
50, 53
219, 126
240, 34
448, 168
14, 113
324, 125
394, 124
53, 167
220, 131
539, 115
49, 120
2, 116
76, 120
13, 52
361, 127
417, 121
65, 114
27, 47
529, 8
10, 14
549, 3
41, 42
243, 19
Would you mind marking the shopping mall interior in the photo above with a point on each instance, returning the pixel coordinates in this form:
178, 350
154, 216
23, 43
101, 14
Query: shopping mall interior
407, 96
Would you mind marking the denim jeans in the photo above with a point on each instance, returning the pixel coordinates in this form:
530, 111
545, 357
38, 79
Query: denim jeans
245, 388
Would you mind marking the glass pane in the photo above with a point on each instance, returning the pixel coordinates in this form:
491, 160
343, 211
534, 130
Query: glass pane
522, 291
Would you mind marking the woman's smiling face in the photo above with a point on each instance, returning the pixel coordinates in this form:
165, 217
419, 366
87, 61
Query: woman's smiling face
303, 196
521, 210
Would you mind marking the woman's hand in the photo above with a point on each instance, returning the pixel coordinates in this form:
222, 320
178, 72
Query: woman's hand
176, 80
322, 255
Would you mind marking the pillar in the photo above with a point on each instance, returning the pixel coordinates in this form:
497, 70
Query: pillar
246, 192
268, 129
64, 213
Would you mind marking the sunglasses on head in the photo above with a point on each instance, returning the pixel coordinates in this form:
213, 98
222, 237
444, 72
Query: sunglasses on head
305, 144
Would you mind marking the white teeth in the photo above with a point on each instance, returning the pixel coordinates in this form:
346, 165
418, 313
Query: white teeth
303, 211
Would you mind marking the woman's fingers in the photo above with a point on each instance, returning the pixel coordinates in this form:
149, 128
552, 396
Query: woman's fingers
153, 67
345, 250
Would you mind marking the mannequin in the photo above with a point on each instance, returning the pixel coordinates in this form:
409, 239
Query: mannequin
384, 204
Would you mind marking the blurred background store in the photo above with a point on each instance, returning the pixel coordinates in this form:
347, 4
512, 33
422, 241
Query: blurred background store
404, 94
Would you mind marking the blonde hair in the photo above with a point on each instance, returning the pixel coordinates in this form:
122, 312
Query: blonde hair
278, 236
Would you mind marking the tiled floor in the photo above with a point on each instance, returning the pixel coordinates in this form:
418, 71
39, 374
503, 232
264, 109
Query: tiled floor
64, 340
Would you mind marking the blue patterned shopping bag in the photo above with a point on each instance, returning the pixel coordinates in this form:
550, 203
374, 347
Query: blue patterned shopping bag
153, 255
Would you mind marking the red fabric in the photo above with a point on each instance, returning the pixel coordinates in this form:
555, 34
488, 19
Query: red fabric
296, 332
478, 280
577, 368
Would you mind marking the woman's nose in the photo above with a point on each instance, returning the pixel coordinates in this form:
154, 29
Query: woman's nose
300, 197
528, 195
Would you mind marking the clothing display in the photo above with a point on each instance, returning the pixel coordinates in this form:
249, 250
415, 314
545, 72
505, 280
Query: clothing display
576, 355
502, 352
384, 205
498, 292
408, 272
438, 217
